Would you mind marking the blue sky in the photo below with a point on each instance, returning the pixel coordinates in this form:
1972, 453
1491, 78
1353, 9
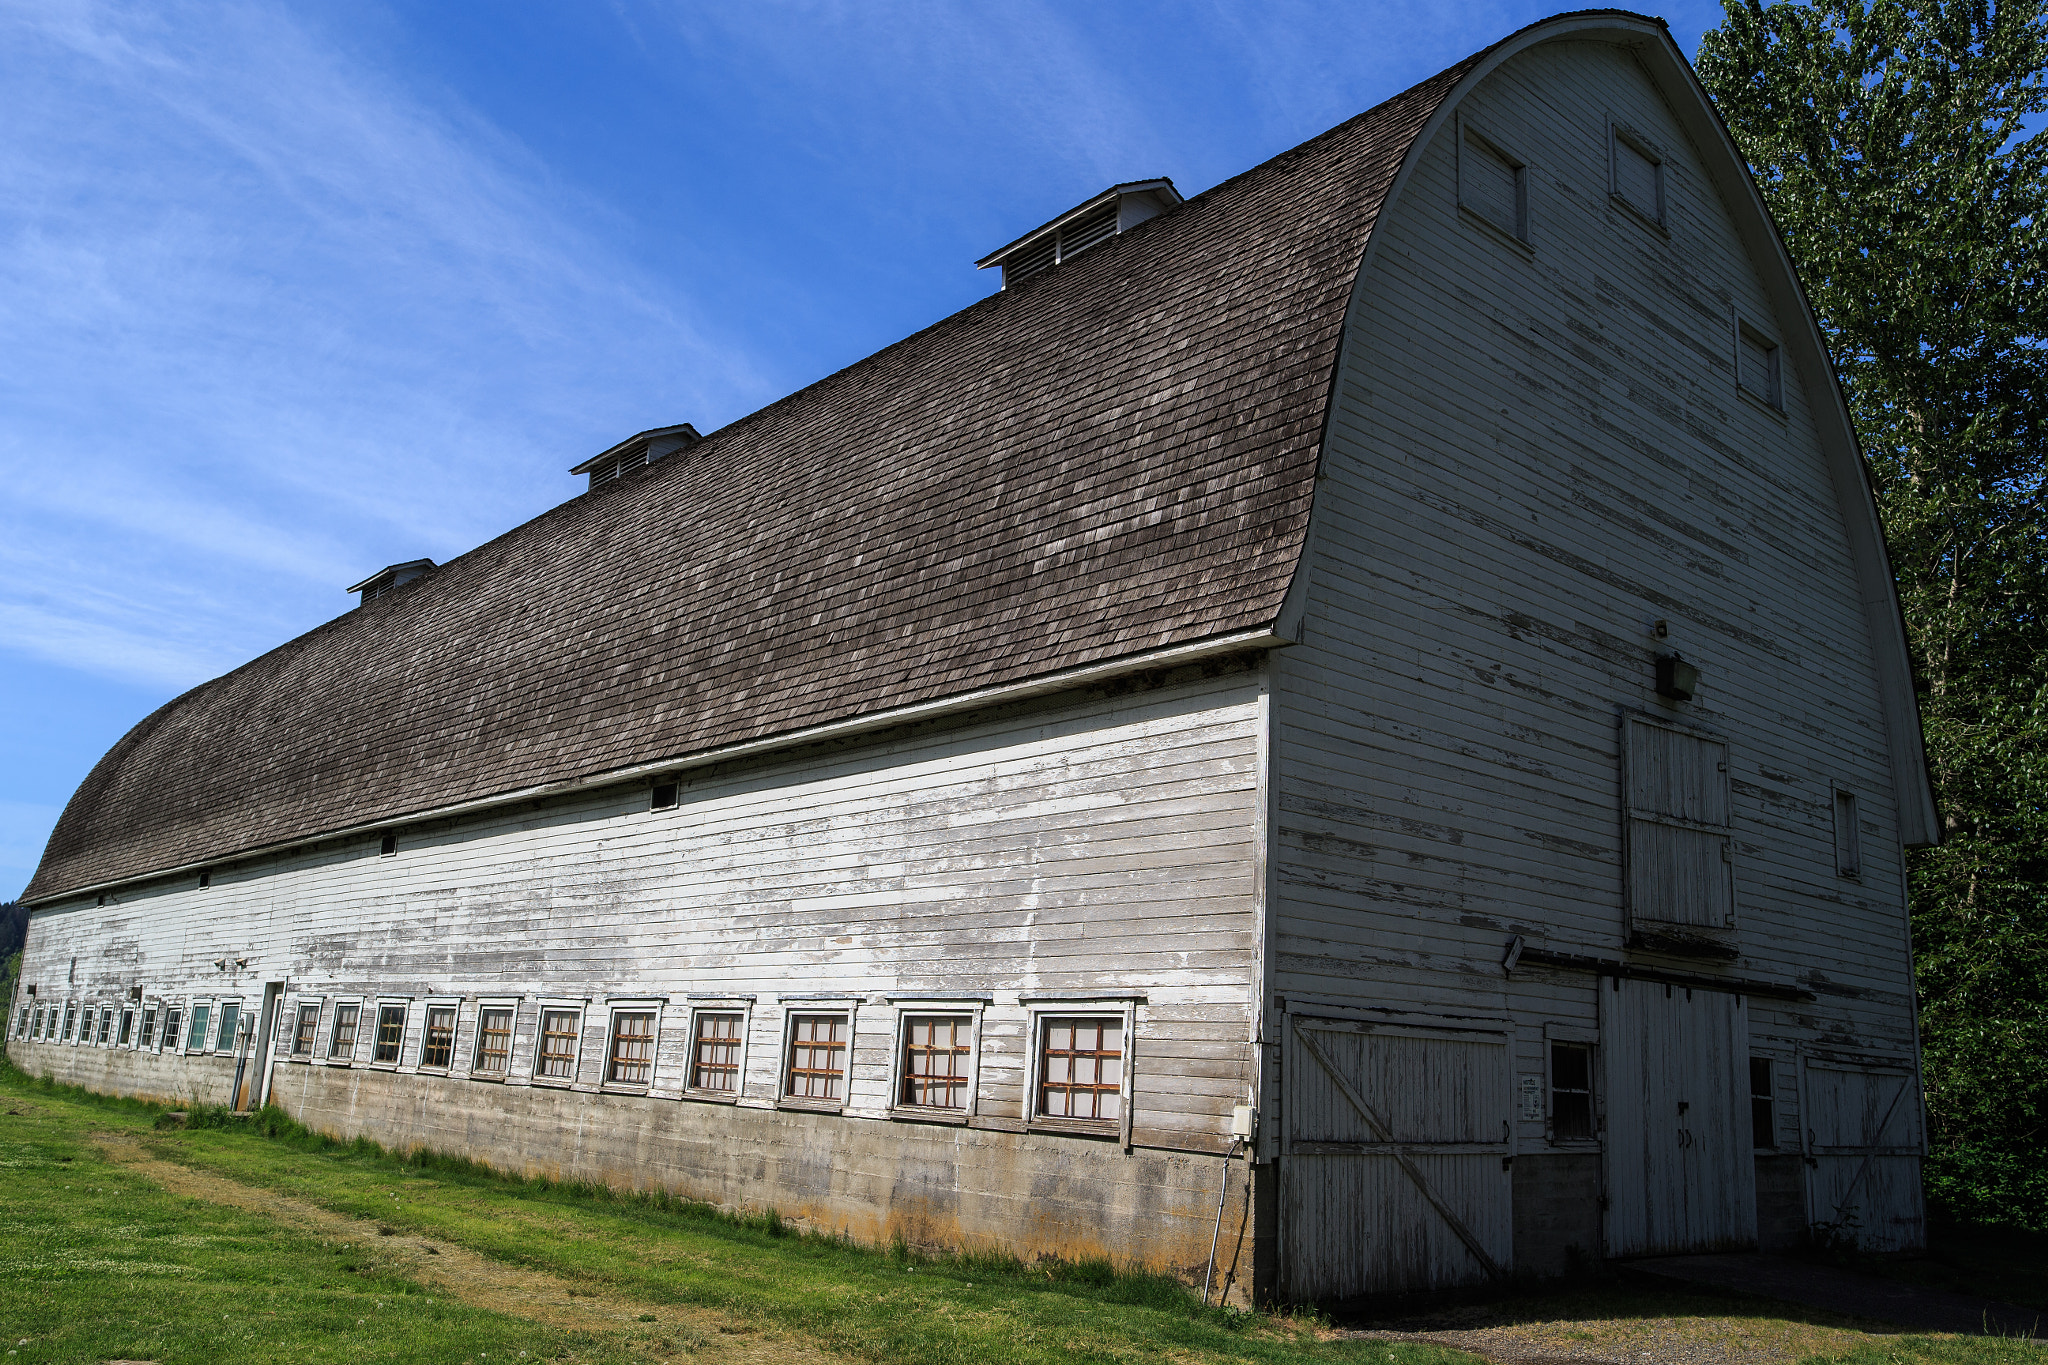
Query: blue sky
292, 291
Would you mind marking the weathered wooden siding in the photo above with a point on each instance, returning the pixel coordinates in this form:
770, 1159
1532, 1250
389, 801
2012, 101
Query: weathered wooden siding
1534, 455
1093, 853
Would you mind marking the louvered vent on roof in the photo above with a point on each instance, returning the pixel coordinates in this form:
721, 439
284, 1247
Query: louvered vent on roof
636, 453
392, 576
1117, 209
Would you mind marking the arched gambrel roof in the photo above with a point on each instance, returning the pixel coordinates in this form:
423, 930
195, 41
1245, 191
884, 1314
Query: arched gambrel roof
1109, 466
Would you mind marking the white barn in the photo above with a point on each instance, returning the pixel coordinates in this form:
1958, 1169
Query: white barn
1392, 657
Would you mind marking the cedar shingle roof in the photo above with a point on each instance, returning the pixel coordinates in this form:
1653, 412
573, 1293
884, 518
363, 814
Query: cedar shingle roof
1114, 456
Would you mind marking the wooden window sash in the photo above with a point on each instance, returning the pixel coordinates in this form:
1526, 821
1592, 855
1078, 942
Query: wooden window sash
347, 1019
560, 1031
494, 1040
715, 1044
631, 1059
390, 1039
307, 1031
937, 1061
437, 1040
1080, 1068
816, 1068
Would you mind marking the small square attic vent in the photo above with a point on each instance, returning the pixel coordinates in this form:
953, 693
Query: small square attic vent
1117, 209
636, 452
392, 576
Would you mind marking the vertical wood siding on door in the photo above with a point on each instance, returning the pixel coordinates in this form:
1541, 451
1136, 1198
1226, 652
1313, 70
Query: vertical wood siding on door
1862, 1132
1355, 1221
1530, 459
1094, 843
1680, 1165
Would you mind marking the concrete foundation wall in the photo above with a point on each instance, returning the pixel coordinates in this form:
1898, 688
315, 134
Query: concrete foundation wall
1780, 1202
938, 1185
1557, 1212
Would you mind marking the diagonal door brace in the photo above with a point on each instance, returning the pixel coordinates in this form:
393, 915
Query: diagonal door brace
1408, 1168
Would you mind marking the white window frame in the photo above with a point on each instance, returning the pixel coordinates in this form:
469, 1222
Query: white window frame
631, 1004
846, 1005
318, 1003
581, 1009
700, 1005
128, 1017
35, 1023
219, 1016
1618, 133
332, 1021
510, 1004
385, 1002
192, 1008
1573, 1035
1040, 1008
419, 1056
173, 1039
909, 1006
1522, 235
1773, 401
150, 1006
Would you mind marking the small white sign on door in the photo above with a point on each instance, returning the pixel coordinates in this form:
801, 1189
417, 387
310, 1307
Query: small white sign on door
1532, 1098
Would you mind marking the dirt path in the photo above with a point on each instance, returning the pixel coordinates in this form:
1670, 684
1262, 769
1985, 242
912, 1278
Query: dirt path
662, 1330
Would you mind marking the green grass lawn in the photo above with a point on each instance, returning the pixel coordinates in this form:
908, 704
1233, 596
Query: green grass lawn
116, 1268
97, 1264
105, 1265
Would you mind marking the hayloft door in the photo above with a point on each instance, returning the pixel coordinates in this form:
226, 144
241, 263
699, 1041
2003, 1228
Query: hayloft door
1681, 1169
1391, 1171
1863, 1138
1681, 878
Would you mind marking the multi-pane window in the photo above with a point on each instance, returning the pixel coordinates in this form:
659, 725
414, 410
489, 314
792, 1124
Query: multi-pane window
1571, 1092
127, 1027
172, 1019
715, 1053
149, 1027
817, 1057
343, 1043
21, 1029
70, 1019
632, 1054
493, 1040
230, 1015
1080, 1068
437, 1045
36, 1029
202, 1015
307, 1029
106, 1026
1763, 1121
557, 1058
935, 1060
390, 1033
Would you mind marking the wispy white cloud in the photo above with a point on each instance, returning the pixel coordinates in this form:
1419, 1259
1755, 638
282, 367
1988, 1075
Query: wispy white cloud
273, 316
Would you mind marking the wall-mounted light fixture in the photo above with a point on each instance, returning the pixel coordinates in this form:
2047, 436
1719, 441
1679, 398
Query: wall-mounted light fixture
1676, 678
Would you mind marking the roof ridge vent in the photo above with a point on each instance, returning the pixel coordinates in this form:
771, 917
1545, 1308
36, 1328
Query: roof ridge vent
392, 576
637, 452
1117, 209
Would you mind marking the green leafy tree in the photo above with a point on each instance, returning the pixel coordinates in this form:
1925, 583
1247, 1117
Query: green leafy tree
1892, 142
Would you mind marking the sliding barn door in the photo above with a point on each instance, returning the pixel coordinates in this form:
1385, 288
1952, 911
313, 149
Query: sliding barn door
1681, 1168
1392, 1175
1863, 1135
